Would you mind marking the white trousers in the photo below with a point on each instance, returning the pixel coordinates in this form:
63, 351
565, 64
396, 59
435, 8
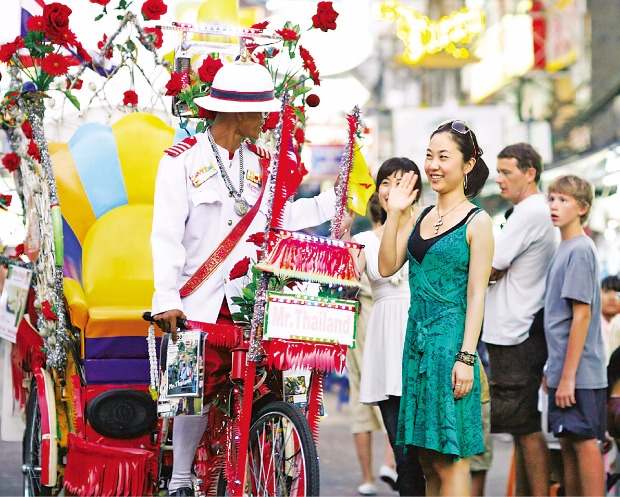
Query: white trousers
186, 435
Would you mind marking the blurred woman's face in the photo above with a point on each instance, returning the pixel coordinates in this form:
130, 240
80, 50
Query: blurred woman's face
386, 185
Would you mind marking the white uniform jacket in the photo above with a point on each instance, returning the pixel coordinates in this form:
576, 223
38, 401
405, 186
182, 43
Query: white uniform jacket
193, 213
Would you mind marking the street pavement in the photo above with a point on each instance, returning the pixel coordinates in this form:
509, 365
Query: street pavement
340, 473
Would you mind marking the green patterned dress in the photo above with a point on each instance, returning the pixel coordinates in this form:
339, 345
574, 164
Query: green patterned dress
429, 416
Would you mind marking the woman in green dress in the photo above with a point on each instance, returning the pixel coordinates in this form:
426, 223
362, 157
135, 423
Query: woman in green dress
449, 247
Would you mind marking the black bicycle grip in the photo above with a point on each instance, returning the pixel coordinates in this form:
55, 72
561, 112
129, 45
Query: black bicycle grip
181, 323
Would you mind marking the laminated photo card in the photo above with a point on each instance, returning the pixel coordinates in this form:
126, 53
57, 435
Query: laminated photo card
180, 389
13, 301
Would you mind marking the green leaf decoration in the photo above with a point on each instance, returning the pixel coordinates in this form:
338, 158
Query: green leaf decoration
72, 99
248, 293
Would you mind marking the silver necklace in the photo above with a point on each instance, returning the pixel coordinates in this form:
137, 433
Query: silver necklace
241, 206
439, 222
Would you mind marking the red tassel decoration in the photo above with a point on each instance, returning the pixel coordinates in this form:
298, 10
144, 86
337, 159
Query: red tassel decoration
290, 170
219, 335
26, 356
315, 401
312, 258
103, 470
297, 354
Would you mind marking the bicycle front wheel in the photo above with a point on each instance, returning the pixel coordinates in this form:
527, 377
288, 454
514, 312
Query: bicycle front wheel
282, 456
31, 448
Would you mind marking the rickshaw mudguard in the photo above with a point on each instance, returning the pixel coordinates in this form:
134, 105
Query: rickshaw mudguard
49, 427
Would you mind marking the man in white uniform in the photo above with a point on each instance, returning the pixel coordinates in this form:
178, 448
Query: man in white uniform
205, 187
513, 320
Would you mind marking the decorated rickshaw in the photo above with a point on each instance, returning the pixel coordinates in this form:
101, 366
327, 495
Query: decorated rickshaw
87, 365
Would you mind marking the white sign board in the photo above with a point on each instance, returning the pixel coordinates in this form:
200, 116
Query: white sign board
314, 319
13, 301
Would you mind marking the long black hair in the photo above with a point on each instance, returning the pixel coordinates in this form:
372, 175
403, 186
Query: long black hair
467, 144
393, 165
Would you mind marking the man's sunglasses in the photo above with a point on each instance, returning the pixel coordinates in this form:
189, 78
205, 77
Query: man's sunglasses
460, 127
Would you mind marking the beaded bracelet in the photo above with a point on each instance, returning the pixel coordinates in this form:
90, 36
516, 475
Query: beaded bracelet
466, 358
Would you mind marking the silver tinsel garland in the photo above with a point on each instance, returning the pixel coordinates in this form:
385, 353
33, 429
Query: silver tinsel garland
342, 185
39, 184
260, 299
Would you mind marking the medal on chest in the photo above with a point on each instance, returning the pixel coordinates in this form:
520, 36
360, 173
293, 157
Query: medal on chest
241, 207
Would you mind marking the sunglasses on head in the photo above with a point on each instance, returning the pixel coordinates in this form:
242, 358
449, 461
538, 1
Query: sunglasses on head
460, 127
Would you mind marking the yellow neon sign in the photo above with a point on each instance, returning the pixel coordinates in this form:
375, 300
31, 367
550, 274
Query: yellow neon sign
422, 36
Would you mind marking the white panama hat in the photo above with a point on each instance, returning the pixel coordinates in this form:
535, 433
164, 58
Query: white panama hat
241, 87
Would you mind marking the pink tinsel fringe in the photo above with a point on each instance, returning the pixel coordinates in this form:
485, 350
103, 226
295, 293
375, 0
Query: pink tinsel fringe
95, 469
312, 257
296, 354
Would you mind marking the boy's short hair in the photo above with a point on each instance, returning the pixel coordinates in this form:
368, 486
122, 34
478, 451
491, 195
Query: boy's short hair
526, 157
611, 283
577, 187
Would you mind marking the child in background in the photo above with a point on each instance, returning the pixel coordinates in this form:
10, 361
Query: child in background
610, 307
576, 376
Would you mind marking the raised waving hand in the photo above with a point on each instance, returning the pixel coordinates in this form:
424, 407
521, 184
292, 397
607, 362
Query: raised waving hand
403, 195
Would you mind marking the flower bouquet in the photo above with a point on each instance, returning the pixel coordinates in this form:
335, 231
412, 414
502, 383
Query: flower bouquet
268, 47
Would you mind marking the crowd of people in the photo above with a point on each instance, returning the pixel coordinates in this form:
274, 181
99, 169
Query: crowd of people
530, 296
441, 284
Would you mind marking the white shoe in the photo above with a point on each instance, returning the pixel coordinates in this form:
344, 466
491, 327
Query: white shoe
388, 475
367, 489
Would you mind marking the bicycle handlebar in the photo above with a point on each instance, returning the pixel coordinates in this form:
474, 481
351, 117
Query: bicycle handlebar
181, 323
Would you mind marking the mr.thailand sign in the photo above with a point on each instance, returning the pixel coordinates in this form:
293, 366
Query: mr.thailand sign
315, 319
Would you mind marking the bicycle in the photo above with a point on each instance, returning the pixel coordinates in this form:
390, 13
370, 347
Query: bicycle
256, 444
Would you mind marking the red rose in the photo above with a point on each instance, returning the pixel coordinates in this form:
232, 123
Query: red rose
55, 64
325, 17
36, 23
313, 100
11, 161
48, 311
257, 238
155, 36
208, 69
8, 49
33, 151
272, 121
240, 269
27, 129
300, 136
260, 25
5, 201
175, 85
152, 10
56, 16
100, 2
130, 98
288, 34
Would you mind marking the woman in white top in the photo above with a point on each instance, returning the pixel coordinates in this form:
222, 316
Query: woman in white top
381, 381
